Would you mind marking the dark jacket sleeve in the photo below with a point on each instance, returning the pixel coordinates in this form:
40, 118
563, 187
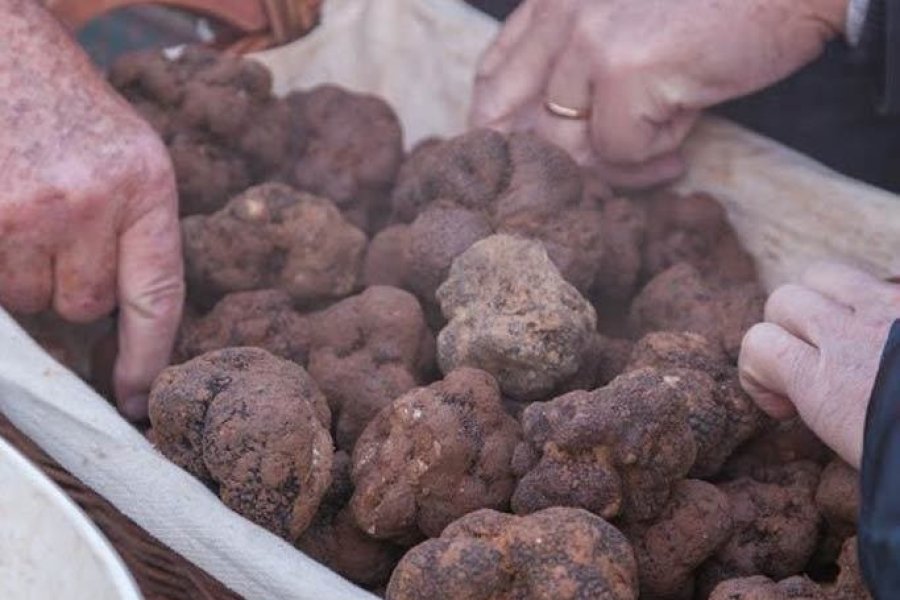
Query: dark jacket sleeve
879, 521
879, 52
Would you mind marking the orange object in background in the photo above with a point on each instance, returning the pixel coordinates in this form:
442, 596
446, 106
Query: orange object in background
257, 24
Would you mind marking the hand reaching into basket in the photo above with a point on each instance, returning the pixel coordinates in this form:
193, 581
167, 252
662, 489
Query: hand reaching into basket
620, 83
817, 354
88, 215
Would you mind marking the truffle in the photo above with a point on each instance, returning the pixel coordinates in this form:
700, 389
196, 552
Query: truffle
353, 152
334, 540
512, 314
692, 526
776, 525
559, 553
272, 236
760, 587
721, 414
517, 184
387, 257
694, 229
252, 425
680, 299
216, 112
367, 351
262, 319
433, 455
615, 451
838, 497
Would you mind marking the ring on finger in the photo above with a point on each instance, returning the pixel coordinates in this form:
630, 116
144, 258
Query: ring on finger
566, 112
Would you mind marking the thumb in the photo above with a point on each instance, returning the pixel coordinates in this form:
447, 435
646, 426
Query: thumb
151, 296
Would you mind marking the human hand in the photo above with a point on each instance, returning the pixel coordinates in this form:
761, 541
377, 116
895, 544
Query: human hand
642, 70
818, 352
88, 213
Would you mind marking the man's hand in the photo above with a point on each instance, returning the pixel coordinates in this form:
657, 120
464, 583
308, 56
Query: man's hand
643, 69
88, 209
818, 352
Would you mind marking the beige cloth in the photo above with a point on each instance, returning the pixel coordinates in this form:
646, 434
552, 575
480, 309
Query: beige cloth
420, 54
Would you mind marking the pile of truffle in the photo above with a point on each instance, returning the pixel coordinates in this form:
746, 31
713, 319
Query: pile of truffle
467, 373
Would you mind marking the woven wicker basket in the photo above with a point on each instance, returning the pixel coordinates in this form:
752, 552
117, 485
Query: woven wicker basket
160, 573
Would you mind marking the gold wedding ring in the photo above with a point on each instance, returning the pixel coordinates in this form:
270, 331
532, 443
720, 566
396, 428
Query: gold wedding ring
565, 112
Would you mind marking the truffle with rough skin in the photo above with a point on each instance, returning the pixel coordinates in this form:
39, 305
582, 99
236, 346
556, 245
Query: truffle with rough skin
517, 184
334, 540
838, 497
559, 553
692, 526
680, 299
760, 587
433, 455
252, 425
224, 128
272, 236
776, 525
616, 451
780, 443
368, 350
353, 152
721, 414
262, 319
694, 228
510, 313
849, 584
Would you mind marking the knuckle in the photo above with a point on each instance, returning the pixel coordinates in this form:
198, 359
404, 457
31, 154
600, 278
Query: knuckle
160, 300
85, 305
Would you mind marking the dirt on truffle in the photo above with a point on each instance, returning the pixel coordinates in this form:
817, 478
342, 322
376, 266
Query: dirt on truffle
334, 540
693, 525
262, 319
367, 351
616, 451
433, 455
776, 525
510, 313
272, 236
681, 299
559, 553
253, 426
722, 416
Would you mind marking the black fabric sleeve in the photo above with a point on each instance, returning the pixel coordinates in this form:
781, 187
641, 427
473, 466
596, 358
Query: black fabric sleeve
879, 519
879, 52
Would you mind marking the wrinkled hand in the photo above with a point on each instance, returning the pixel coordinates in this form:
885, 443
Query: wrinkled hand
644, 69
88, 214
818, 352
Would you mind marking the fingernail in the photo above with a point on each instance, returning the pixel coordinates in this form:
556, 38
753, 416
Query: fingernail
135, 408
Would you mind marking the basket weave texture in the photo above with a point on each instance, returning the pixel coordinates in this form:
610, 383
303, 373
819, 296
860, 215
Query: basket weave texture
161, 573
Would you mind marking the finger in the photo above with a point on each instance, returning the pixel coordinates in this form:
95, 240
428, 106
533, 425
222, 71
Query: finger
515, 26
805, 313
26, 278
85, 277
659, 170
569, 86
626, 130
775, 366
523, 75
151, 295
847, 285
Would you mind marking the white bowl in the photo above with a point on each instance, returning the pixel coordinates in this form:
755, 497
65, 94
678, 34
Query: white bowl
49, 549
